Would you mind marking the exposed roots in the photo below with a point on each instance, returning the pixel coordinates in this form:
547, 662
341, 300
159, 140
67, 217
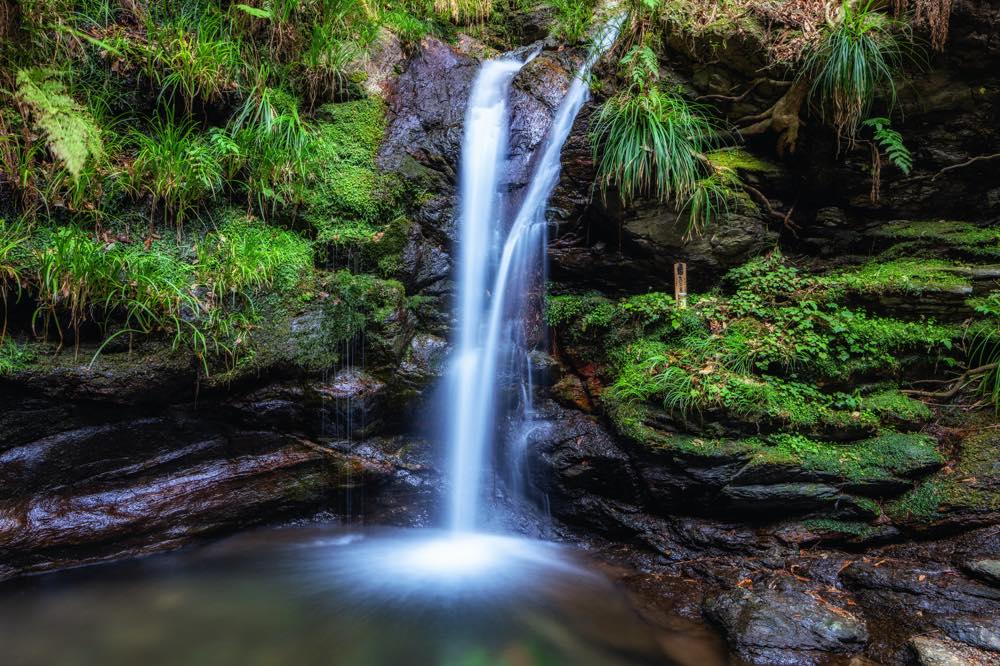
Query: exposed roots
957, 385
965, 164
934, 15
783, 118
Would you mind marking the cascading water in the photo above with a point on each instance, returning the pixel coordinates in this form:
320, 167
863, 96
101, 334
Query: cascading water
483, 150
490, 321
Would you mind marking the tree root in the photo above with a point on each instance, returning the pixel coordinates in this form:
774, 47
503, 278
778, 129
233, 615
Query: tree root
957, 385
742, 96
965, 164
782, 118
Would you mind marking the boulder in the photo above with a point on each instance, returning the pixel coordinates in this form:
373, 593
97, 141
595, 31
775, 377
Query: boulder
773, 625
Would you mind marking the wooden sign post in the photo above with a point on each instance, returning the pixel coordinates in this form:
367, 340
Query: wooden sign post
681, 285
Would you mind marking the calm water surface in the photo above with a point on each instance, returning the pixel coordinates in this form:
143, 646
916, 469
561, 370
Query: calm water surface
309, 596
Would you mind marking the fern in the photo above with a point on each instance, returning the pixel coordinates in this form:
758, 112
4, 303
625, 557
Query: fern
70, 131
642, 66
891, 142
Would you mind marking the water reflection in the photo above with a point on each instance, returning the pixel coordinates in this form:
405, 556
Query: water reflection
308, 596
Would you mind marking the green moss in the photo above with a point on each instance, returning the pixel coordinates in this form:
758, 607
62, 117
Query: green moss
335, 315
907, 276
580, 316
347, 200
890, 403
740, 160
886, 456
847, 527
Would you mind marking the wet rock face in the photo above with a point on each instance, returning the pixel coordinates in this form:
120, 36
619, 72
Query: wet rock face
771, 625
115, 474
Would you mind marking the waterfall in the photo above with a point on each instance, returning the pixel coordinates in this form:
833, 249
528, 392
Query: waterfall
493, 295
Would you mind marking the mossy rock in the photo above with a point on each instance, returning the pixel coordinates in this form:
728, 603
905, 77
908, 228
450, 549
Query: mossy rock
913, 277
940, 238
340, 316
352, 206
965, 493
739, 159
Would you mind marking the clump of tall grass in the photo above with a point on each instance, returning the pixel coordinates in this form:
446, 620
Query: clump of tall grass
128, 289
572, 19
195, 62
651, 141
464, 10
268, 141
13, 237
74, 272
177, 166
853, 62
244, 256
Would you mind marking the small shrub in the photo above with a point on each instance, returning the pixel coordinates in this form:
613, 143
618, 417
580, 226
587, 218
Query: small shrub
14, 357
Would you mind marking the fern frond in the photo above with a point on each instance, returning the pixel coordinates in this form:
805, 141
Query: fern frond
891, 142
70, 131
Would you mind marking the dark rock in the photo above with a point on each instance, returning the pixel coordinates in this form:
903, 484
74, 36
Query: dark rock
978, 631
352, 404
907, 587
793, 497
571, 392
640, 247
572, 459
776, 625
424, 361
102, 520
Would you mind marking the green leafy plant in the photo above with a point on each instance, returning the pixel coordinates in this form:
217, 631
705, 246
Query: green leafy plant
13, 357
855, 60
